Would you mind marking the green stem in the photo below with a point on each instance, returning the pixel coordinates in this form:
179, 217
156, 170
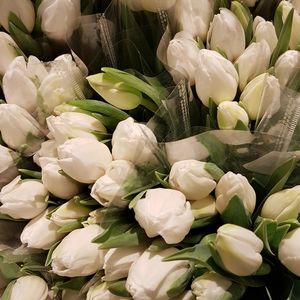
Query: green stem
149, 105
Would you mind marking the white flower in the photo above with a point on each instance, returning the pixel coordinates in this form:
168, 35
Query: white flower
48, 149
59, 18
40, 232
249, 3
56, 182
253, 62
239, 249
109, 189
85, 160
99, 291
133, 142
296, 4
229, 113
150, 277
191, 178
283, 205
194, 16
166, 213
19, 130
231, 185
182, 55
224, 27
76, 255
215, 77
24, 10
204, 208
288, 251
23, 199
117, 262
29, 288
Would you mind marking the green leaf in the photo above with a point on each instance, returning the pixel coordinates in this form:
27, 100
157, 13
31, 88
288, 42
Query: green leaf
71, 226
136, 199
10, 271
73, 284
249, 32
279, 235
215, 172
157, 245
241, 126
264, 269
13, 18
108, 122
278, 23
118, 288
8, 290
163, 179
236, 291
30, 173
202, 222
50, 252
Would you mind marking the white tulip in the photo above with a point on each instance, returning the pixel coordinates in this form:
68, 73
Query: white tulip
191, 178
109, 189
76, 255
288, 251
187, 295
265, 30
19, 130
239, 249
231, 185
99, 291
85, 160
150, 277
59, 18
23, 9
133, 142
215, 77
249, 3
166, 213
29, 288
287, 66
69, 212
261, 96
27, 76
283, 205
229, 113
48, 149
296, 4
226, 26
210, 286
204, 208
9, 51
182, 56
23, 199
56, 182
194, 16
117, 262
40, 232
253, 62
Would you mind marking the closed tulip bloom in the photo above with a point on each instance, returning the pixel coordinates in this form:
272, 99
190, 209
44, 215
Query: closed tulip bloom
249, 3
48, 150
288, 251
99, 291
239, 249
76, 255
215, 77
23, 199
191, 178
194, 16
29, 288
85, 160
204, 208
166, 213
150, 277
226, 26
182, 56
296, 4
253, 62
40, 232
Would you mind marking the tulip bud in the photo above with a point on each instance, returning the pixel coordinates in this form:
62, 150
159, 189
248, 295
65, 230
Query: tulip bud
204, 208
261, 96
19, 130
239, 249
24, 10
69, 212
288, 251
9, 51
100, 291
168, 206
242, 13
215, 77
85, 160
76, 255
182, 56
150, 277
296, 4
29, 288
191, 178
109, 189
253, 62
117, 262
194, 16
249, 3
40, 232
56, 182
133, 142
23, 199
48, 150
59, 18
226, 26
283, 205
229, 114
231, 185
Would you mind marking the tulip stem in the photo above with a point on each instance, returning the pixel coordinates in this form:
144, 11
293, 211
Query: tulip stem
149, 105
